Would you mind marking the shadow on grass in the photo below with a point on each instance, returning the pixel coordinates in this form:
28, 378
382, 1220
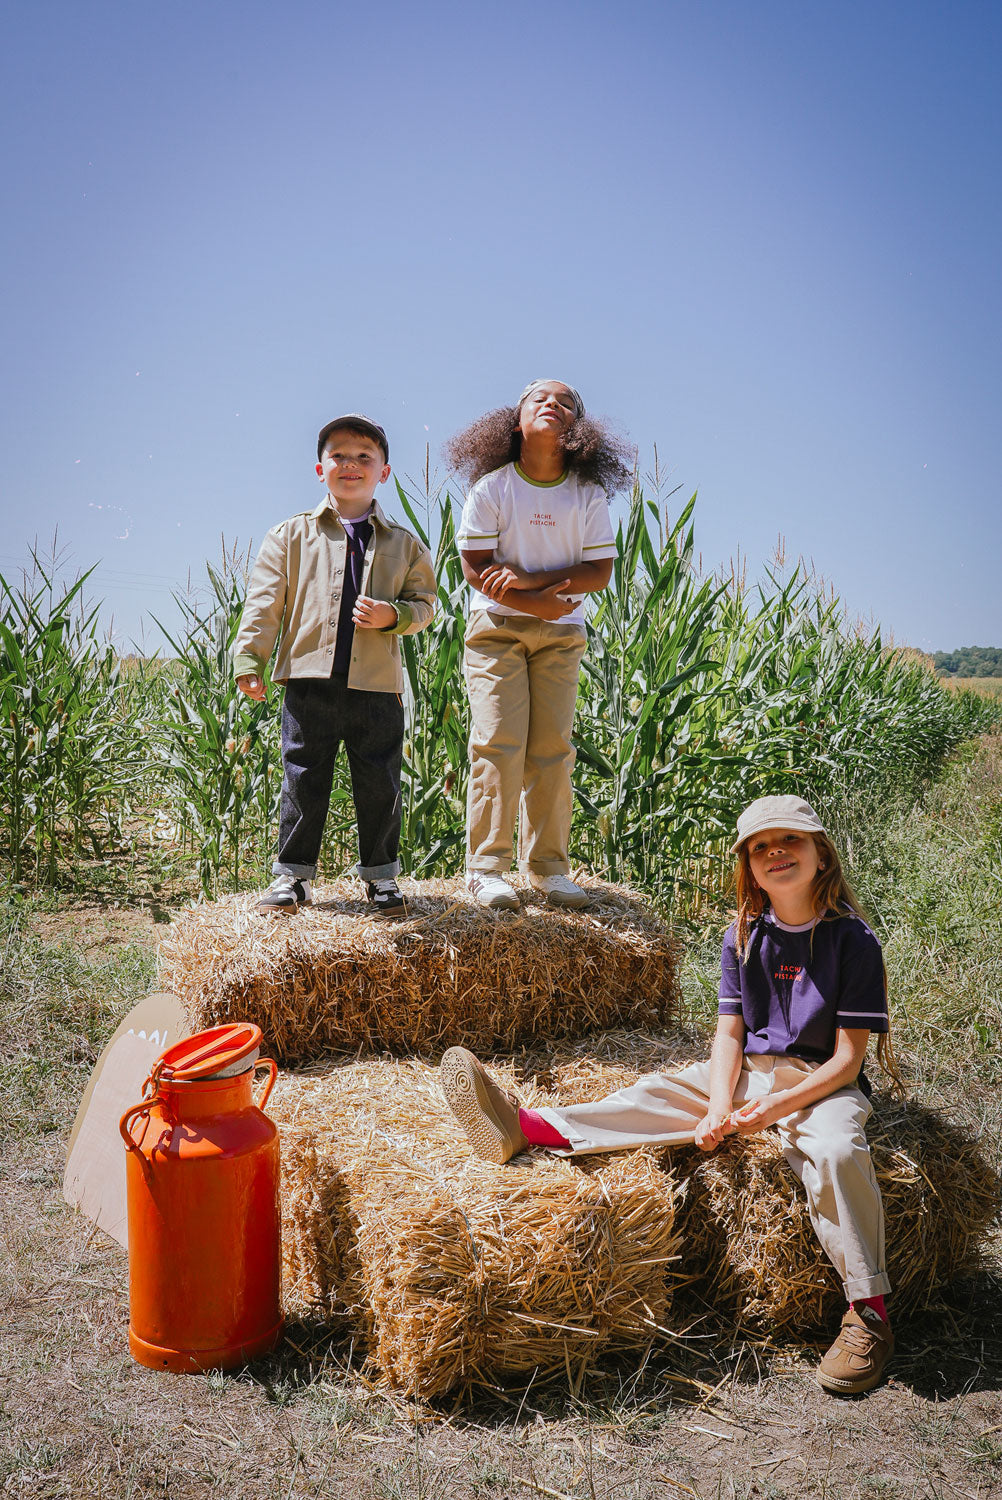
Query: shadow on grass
956, 1347
949, 1352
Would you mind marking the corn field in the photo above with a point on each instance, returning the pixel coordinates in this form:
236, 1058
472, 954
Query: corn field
697, 694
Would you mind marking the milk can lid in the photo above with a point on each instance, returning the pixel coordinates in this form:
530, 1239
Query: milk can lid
220, 1052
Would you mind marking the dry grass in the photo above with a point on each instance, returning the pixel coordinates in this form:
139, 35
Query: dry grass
990, 686
335, 980
456, 1273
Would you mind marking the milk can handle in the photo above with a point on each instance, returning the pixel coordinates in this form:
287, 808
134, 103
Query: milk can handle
272, 1066
127, 1119
150, 1090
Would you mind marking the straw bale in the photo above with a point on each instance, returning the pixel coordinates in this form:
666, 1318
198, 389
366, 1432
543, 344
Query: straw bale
453, 1272
747, 1222
747, 1240
334, 979
450, 1270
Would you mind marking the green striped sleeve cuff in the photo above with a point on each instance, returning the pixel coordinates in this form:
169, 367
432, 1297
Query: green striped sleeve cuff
246, 665
405, 618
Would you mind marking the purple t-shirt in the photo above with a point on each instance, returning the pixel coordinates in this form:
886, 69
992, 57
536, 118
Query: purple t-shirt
799, 986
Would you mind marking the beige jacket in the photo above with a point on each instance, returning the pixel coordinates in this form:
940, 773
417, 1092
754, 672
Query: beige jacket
296, 589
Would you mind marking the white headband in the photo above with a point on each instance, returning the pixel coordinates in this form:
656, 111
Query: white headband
579, 404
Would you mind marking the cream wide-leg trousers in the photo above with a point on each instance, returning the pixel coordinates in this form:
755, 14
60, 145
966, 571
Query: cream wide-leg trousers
825, 1144
522, 681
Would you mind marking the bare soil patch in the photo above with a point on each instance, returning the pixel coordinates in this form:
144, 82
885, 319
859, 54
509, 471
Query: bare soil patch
96, 925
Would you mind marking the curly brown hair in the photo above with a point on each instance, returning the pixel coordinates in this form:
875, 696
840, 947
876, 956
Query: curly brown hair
594, 452
831, 897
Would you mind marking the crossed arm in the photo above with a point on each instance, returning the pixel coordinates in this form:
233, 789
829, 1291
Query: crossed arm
536, 593
721, 1119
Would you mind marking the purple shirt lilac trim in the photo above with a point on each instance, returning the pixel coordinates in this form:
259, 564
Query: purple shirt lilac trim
800, 985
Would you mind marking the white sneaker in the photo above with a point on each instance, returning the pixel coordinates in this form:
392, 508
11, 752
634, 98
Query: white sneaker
559, 890
286, 895
491, 890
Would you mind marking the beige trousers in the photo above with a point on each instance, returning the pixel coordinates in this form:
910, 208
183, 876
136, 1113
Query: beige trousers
522, 680
825, 1144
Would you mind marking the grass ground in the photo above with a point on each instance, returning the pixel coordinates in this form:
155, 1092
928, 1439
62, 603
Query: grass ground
78, 1419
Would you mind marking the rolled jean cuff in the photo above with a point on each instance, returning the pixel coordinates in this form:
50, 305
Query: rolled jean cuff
866, 1286
298, 872
378, 872
544, 866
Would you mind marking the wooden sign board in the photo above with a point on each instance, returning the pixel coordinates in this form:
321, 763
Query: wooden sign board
94, 1181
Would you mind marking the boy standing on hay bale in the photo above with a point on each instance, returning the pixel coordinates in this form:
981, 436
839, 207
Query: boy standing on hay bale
535, 538
340, 583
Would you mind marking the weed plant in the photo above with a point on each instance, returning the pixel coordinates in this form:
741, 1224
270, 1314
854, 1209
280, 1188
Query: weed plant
79, 1418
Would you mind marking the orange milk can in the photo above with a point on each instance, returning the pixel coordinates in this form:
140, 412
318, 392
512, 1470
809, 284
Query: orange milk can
202, 1187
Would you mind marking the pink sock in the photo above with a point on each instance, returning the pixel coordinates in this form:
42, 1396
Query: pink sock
877, 1303
538, 1132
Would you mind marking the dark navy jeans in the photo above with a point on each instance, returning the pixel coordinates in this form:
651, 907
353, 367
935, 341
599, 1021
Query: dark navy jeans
318, 716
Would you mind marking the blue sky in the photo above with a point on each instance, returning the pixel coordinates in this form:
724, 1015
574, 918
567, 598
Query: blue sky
764, 237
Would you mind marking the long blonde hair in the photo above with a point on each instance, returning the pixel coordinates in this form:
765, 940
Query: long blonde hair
831, 896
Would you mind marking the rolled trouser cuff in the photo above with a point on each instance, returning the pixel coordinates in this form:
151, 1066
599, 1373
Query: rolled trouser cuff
379, 872
866, 1286
297, 872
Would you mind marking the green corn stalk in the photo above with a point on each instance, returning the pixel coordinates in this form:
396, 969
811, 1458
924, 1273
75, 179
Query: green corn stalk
436, 759
219, 755
696, 695
67, 761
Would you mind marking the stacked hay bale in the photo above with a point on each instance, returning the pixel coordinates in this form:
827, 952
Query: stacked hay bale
457, 1272
454, 1272
450, 1271
336, 980
747, 1246
747, 1223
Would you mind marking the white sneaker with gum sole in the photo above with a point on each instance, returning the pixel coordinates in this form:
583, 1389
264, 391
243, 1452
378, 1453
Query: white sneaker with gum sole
559, 890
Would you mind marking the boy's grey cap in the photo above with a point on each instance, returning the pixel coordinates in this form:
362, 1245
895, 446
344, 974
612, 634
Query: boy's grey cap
354, 419
776, 812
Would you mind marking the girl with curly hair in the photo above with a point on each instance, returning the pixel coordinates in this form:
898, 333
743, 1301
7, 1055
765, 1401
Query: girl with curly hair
535, 538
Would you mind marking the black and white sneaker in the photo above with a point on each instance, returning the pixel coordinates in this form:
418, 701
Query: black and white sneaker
285, 896
385, 898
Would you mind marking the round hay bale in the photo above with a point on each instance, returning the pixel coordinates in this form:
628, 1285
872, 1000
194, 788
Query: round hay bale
334, 979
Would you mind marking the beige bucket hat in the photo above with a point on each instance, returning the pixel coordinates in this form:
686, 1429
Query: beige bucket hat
776, 812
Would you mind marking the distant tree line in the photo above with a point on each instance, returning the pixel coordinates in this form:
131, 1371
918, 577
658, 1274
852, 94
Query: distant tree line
969, 661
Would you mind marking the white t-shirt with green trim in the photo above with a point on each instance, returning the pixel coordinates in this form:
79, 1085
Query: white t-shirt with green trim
538, 526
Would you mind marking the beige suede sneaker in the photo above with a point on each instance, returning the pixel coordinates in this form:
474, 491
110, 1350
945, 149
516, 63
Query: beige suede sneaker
486, 1112
856, 1360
